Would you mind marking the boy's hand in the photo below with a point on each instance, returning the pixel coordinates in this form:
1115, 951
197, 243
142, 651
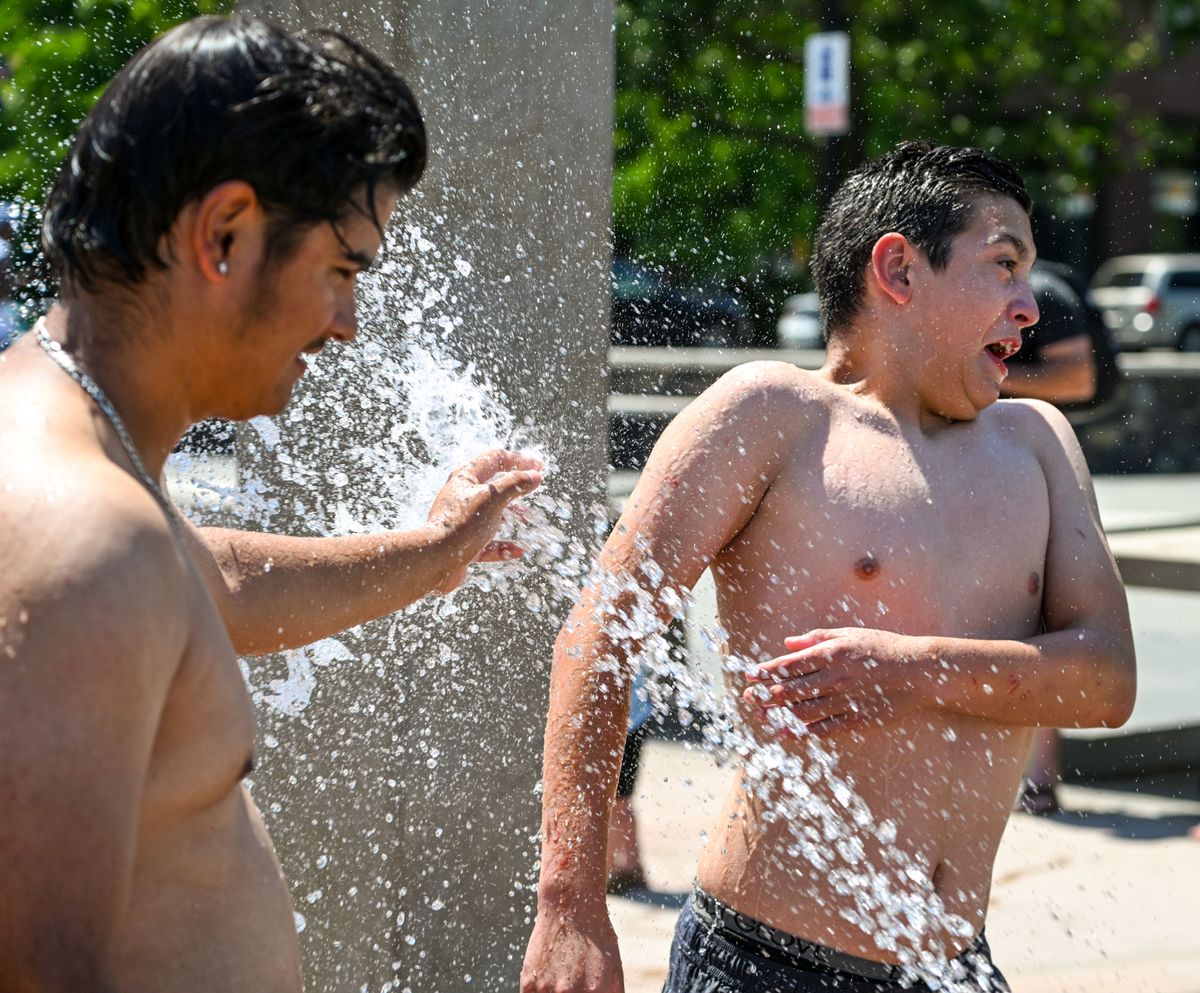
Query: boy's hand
843, 678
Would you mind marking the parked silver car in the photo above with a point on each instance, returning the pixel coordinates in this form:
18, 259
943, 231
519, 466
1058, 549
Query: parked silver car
1150, 301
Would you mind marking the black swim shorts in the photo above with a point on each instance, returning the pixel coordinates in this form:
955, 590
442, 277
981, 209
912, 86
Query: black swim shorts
717, 950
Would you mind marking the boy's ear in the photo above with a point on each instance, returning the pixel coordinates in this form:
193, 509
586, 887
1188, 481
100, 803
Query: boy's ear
891, 259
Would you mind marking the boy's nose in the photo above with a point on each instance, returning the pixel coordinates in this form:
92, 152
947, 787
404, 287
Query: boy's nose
1025, 310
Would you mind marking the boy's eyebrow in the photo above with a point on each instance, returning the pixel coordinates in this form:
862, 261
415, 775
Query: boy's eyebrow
1008, 238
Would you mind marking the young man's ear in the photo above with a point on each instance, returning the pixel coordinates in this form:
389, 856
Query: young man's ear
891, 259
225, 229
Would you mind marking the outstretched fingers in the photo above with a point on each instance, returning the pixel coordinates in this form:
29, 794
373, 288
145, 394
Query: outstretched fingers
514, 483
496, 461
819, 718
787, 693
798, 642
797, 678
837, 724
805, 657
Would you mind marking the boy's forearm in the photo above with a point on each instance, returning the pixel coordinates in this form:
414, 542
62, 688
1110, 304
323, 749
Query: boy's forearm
1081, 677
585, 739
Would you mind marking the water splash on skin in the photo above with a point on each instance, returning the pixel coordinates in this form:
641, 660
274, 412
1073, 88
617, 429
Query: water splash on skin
893, 901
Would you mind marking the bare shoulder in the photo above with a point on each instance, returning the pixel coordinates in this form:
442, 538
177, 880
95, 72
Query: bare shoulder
90, 562
712, 465
1042, 429
755, 410
755, 393
769, 380
1027, 415
1041, 426
78, 534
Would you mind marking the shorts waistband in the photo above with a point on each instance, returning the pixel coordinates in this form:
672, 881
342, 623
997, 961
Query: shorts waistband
776, 944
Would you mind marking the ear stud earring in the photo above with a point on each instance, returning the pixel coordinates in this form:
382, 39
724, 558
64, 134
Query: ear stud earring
223, 267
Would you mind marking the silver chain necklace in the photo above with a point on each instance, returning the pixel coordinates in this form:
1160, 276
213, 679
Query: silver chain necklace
92, 389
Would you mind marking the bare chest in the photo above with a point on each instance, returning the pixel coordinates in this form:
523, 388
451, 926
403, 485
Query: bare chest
874, 531
207, 877
205, 742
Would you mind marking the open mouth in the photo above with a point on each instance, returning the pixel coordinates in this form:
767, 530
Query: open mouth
1004, 349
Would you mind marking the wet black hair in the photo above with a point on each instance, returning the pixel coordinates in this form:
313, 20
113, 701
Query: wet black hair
308, 119
923, 191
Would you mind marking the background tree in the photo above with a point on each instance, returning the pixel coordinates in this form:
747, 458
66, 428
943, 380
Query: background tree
56, 56
59, 55
714, 170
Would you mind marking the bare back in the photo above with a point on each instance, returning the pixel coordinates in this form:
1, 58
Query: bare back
866, 526
127, 725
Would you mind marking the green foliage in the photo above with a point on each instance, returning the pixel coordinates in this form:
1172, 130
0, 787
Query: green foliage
60, 54
714, 170
710, 150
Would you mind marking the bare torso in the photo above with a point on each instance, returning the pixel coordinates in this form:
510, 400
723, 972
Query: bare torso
867, 525
207, 905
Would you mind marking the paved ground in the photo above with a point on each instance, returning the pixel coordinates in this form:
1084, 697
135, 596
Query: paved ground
1148, 500
1104, 898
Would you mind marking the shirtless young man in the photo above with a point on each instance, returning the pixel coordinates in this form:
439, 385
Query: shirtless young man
214, 211
925, 563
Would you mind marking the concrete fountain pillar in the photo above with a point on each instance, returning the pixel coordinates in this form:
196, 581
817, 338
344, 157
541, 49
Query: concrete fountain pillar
410, 875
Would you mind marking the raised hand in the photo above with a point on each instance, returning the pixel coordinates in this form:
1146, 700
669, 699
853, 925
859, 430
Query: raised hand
470, 508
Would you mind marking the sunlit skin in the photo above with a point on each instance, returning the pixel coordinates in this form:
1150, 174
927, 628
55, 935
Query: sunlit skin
132, 858
1064, 372
887, 541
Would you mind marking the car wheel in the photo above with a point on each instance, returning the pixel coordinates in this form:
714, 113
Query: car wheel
1189, 341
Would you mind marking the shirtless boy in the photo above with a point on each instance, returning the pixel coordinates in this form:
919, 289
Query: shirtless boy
207, 229
925, 564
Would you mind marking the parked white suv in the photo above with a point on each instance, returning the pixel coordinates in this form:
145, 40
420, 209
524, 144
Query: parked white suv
1150, 300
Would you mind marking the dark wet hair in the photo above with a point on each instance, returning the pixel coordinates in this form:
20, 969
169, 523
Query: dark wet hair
923, 191
307, 119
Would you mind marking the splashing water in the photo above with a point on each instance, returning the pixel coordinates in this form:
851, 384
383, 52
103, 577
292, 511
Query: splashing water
415, 412
894, 903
